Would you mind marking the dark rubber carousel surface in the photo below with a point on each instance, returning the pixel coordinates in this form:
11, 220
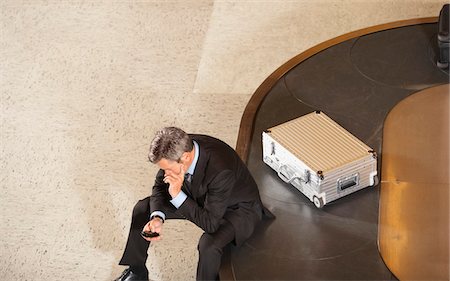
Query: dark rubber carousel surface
356, 83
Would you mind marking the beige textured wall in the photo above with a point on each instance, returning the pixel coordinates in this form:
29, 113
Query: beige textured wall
84, 85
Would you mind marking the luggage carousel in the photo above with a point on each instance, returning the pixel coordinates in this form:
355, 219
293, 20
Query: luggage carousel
356, 79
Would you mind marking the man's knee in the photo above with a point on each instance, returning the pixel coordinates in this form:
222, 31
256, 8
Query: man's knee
141, 209
208, 245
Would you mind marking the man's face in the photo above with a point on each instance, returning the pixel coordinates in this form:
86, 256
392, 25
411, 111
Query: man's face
170, 166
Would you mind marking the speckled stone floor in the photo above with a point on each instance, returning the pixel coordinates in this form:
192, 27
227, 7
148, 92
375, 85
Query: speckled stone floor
85, 84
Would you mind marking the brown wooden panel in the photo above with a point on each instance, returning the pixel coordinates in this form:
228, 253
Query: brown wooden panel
414, 199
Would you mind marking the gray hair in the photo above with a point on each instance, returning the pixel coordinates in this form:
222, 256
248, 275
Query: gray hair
169, 143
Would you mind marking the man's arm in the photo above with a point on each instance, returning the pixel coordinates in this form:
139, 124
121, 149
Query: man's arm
209, 216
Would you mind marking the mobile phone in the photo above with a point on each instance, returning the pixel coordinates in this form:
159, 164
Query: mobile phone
149, 234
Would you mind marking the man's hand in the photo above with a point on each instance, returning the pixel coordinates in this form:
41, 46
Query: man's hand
155, 225
175, 181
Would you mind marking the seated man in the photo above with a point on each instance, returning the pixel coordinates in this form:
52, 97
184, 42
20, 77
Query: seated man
201, 179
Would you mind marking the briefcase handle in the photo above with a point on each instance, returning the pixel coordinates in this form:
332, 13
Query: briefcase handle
284, 177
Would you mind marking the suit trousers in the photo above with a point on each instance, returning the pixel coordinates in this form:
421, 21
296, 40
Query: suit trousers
210, 245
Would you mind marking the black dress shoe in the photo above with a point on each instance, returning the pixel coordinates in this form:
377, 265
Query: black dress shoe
130, 275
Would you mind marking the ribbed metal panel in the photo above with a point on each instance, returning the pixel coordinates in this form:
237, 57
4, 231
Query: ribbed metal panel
319, 142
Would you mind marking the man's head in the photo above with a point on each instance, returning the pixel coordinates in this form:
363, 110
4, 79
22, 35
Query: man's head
171, 146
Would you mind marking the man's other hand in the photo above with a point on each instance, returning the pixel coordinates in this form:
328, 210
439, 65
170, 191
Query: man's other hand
175, 181
155, 225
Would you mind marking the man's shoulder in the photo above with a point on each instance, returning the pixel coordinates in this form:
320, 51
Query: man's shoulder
207, 140
215, 148
202, 137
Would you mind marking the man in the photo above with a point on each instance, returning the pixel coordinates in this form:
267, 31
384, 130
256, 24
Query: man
201, 179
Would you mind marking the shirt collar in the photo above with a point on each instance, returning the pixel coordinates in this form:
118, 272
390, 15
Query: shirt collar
191, 168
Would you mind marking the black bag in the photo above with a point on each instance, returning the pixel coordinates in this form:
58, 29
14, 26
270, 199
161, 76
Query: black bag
443, 38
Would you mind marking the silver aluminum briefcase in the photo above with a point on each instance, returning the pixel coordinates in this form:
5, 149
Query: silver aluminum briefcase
319, 157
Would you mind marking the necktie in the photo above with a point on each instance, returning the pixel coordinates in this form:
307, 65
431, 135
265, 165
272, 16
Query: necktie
187, 184
188, 178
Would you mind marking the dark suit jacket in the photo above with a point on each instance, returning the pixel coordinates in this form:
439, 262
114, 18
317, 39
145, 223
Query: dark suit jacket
221, 188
